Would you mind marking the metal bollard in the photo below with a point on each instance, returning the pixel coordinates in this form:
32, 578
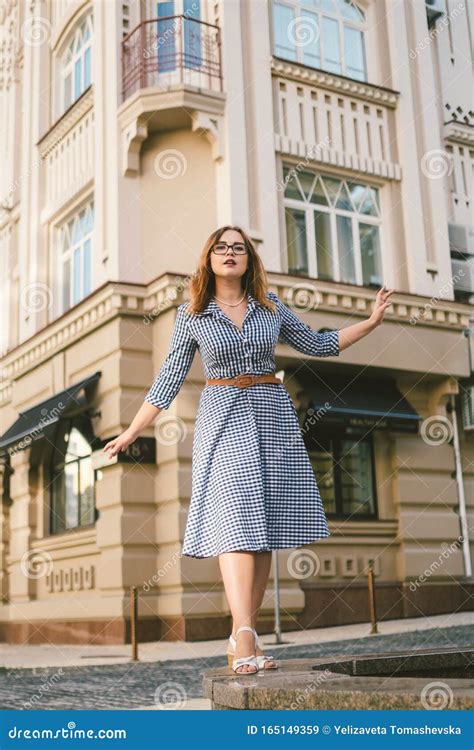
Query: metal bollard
134, 622
372, 607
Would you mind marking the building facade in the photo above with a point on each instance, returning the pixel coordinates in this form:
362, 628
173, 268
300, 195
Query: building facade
340, 135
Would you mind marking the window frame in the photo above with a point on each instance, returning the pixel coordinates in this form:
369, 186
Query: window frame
65, 425
337, 435
69, 68
297, 6
68, 255
311, 209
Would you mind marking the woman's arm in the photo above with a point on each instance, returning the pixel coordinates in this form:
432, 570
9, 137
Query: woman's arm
351, 334
144, 416
165, 387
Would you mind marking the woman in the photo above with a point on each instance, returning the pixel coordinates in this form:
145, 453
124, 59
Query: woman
253, 489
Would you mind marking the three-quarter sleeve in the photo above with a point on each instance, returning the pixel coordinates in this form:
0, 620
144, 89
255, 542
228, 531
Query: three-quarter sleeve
300, 336
176, 366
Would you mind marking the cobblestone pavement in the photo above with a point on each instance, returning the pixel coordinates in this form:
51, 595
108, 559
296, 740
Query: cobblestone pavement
151, 685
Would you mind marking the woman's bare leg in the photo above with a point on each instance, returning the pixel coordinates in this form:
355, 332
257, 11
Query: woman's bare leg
262, 573
238, 573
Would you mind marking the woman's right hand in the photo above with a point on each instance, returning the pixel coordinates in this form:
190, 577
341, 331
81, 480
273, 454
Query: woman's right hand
119, 443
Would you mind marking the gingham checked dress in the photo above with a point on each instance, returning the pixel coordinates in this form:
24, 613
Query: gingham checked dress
253, 486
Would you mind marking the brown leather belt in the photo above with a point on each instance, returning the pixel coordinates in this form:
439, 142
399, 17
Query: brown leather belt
243, 381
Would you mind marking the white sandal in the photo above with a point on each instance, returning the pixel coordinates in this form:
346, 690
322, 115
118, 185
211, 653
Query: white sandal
250, 660
261, 659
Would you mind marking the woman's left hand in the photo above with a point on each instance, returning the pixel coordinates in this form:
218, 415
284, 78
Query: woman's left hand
381, 303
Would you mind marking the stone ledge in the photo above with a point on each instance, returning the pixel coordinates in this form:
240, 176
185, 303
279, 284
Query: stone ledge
303, 684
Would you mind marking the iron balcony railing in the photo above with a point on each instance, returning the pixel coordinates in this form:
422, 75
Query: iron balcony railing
162, 52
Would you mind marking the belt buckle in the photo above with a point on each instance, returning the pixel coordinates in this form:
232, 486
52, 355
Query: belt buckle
242, 381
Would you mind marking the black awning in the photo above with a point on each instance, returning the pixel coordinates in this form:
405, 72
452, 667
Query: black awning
36, 422
362, 402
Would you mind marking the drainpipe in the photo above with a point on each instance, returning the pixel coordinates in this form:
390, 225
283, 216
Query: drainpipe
461, 495
276, 578
459, 476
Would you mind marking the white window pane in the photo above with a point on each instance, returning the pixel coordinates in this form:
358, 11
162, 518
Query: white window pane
357, 489
332, 51
292, 188
368, 205
67, 91
319, 196
87, 268
322, 232
354, 54
87, 67
370, 252
344, 200
284, 31
345, 245
66, 284
350, 11
77, 79
308, 38
76, 280
71, 488
76, 234
296, 239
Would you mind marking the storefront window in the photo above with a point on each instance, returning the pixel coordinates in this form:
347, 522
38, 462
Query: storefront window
72, 477
344, 469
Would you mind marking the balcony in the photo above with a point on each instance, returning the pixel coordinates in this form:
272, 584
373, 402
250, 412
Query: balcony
171, 78
163, 52
335, 120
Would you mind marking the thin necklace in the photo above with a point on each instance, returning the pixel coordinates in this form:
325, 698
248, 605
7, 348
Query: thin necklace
230, 304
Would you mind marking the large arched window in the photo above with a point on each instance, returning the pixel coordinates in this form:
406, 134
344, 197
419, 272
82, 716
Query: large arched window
326, 34
76, 64
72, 476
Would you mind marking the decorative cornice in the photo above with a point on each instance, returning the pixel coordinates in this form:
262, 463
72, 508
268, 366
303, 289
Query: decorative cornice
116, 299
459, 132
314, 294
339, 84
66, 122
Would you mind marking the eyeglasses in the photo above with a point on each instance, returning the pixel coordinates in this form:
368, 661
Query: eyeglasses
221, 248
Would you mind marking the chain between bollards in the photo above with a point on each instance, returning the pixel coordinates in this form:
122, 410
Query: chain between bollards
372, 607
134, 622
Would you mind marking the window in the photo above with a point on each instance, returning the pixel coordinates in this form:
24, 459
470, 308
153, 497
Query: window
72, 476
332, 227
76, 64
76, 257
169, 40
344, 467
326, 34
